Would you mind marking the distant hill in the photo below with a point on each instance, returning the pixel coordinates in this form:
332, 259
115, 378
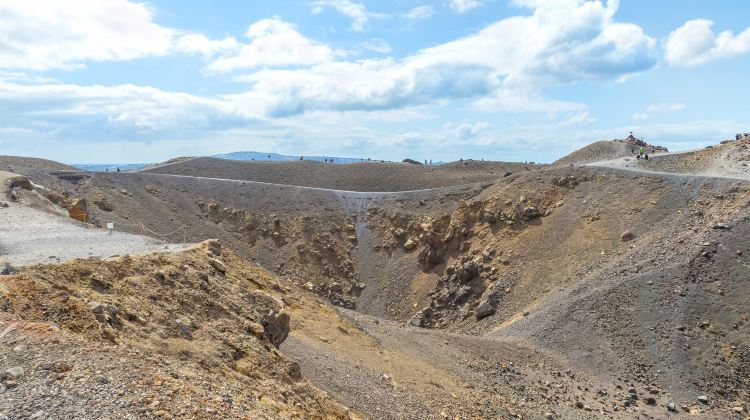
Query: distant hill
104, 167
259, 156
279, 157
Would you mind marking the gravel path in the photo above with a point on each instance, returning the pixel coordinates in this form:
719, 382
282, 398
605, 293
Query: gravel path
713, 171
30, 236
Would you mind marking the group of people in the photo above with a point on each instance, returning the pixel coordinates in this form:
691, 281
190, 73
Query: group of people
741, 136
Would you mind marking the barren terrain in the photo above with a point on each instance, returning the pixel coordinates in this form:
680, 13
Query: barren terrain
598, 287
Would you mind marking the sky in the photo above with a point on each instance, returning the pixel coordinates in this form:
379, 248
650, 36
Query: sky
85, 81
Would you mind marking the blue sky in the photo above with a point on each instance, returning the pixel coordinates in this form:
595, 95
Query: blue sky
117, 81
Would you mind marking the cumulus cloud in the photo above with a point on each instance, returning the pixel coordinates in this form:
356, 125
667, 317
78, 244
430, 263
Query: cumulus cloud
127, 106
63, 34
467, 130
462, 6
356, 11
273, 43
695, 43
66, 34
421, 12
506, 65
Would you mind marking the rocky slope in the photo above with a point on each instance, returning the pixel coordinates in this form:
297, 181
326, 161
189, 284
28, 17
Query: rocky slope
187, 335
563, 292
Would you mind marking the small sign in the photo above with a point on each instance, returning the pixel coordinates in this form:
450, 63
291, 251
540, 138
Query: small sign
110, 225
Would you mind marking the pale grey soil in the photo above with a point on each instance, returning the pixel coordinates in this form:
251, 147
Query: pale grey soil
29, 236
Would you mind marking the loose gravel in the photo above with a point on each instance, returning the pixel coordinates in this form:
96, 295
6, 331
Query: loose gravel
29, 236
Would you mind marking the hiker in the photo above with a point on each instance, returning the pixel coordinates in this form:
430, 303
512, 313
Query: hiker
642, 151
301, 158
118, 169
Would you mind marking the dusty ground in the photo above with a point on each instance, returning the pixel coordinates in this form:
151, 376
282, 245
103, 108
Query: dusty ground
603, 291
31, 236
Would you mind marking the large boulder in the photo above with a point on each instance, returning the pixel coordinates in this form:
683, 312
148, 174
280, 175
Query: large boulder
486, 307
272, 317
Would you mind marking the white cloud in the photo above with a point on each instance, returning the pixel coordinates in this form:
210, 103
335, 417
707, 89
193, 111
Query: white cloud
581, 118
66, 34
421, 12
273, 43
665, 107
658, 108
307, 91
462, 6
377, 45
200, 44
63, 34
506, 66
126, 106
467, 130
695, 43
356, 11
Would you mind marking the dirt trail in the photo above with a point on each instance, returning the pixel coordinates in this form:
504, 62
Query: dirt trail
715, 168
348, 193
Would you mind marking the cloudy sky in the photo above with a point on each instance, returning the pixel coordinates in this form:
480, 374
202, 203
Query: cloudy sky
119, 81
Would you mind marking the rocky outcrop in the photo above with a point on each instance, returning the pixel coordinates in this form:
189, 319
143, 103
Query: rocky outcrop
182, 329
432, 253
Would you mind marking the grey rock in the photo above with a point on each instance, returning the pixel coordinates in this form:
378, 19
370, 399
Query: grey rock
487, 307
531, 212
468, 271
